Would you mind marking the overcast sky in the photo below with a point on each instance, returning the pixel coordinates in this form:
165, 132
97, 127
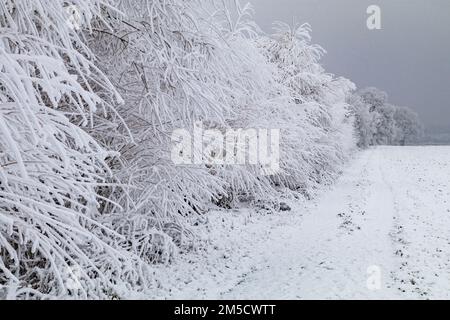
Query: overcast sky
409, 58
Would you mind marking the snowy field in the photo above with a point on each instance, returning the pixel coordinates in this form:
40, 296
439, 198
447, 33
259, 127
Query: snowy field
387, 217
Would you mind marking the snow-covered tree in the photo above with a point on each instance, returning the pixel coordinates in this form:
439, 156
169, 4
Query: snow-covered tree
325, 129
364, 121
373, 97
50, 168
380, 123
385, 125
409, 128
176, 63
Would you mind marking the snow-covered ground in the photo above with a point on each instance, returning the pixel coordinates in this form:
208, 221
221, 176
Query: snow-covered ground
386, 220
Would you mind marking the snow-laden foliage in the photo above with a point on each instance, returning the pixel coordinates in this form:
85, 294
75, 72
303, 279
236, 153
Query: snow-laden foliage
409, 128
319, 135
381, 123
175, 65
364, 121
50, 168
89, 195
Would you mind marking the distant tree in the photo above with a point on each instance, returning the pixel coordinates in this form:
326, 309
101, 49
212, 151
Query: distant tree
409, 128
364, 121
373, 97
380, 123
381, 115
385, 125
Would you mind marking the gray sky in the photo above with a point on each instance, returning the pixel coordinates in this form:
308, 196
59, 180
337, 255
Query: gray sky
409, 58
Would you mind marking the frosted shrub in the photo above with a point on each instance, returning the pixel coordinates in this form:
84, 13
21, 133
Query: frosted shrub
321, 129
50, 167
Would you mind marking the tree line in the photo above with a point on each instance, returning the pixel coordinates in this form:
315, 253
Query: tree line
381, 123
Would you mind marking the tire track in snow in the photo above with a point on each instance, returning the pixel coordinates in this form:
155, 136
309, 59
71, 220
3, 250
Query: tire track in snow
328, 253
388, 210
